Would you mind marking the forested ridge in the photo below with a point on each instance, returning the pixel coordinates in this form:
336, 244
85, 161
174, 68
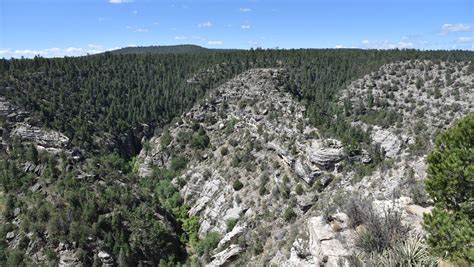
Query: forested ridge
99, 203
171, 49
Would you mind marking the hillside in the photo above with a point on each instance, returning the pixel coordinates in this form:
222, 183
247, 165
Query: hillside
234, 158
253, 159
170, 49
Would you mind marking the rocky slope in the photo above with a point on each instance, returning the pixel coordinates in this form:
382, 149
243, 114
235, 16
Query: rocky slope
252, 158
257, 137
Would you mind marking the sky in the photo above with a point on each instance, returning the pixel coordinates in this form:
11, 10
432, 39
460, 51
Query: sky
54, 28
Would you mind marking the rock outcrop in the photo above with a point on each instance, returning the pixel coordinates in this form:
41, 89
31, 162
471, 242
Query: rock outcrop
224, 256
17, 126
390, 143
45, 138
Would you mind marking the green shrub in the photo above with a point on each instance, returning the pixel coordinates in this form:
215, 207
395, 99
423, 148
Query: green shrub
230, 223
418, 193
224, 151
178, 163
165, 139
411, 252
450, 185
382, 232
200, 140
237, 185
285, 191
299, 189
289, 214
207, 244
263, 182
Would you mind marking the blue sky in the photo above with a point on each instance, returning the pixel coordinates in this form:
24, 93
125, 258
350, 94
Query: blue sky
76, 27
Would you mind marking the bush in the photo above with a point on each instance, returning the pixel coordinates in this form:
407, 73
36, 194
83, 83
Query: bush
289, 214
411, 252
382, 232
237, 185
449, 184
358, 209
299, 189
165, 139
207, 244
200, 140
224, 151
263, 182
230, 223
285, 191
418, 193
178, 163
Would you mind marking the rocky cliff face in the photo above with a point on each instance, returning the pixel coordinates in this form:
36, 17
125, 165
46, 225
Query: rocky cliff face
16, 126
252, 157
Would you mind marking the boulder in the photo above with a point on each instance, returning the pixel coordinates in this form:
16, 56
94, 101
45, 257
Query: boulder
417, 210
325, 153
106, 259
68, 258
303, 171
224, 256
16, 212
10, 235
323, 242
390, 142
232, 235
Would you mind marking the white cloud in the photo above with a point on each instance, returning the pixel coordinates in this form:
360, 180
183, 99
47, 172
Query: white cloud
93, 46
190, 37
26, 52
254, 43
245, 9
215, 42
100, 19
245, 26
387, 44
465, 39
405, 45
339, 46
136, 29
460, 27
120, 1
140, 30
134, 12
54, 51
205, 24
5, 51
74, 49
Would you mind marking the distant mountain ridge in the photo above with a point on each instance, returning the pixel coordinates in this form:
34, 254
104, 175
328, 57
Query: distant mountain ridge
169, 49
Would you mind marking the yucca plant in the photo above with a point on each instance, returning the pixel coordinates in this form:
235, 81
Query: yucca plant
414, 252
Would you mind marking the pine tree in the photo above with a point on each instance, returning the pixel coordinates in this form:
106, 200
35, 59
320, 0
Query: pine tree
450, 184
